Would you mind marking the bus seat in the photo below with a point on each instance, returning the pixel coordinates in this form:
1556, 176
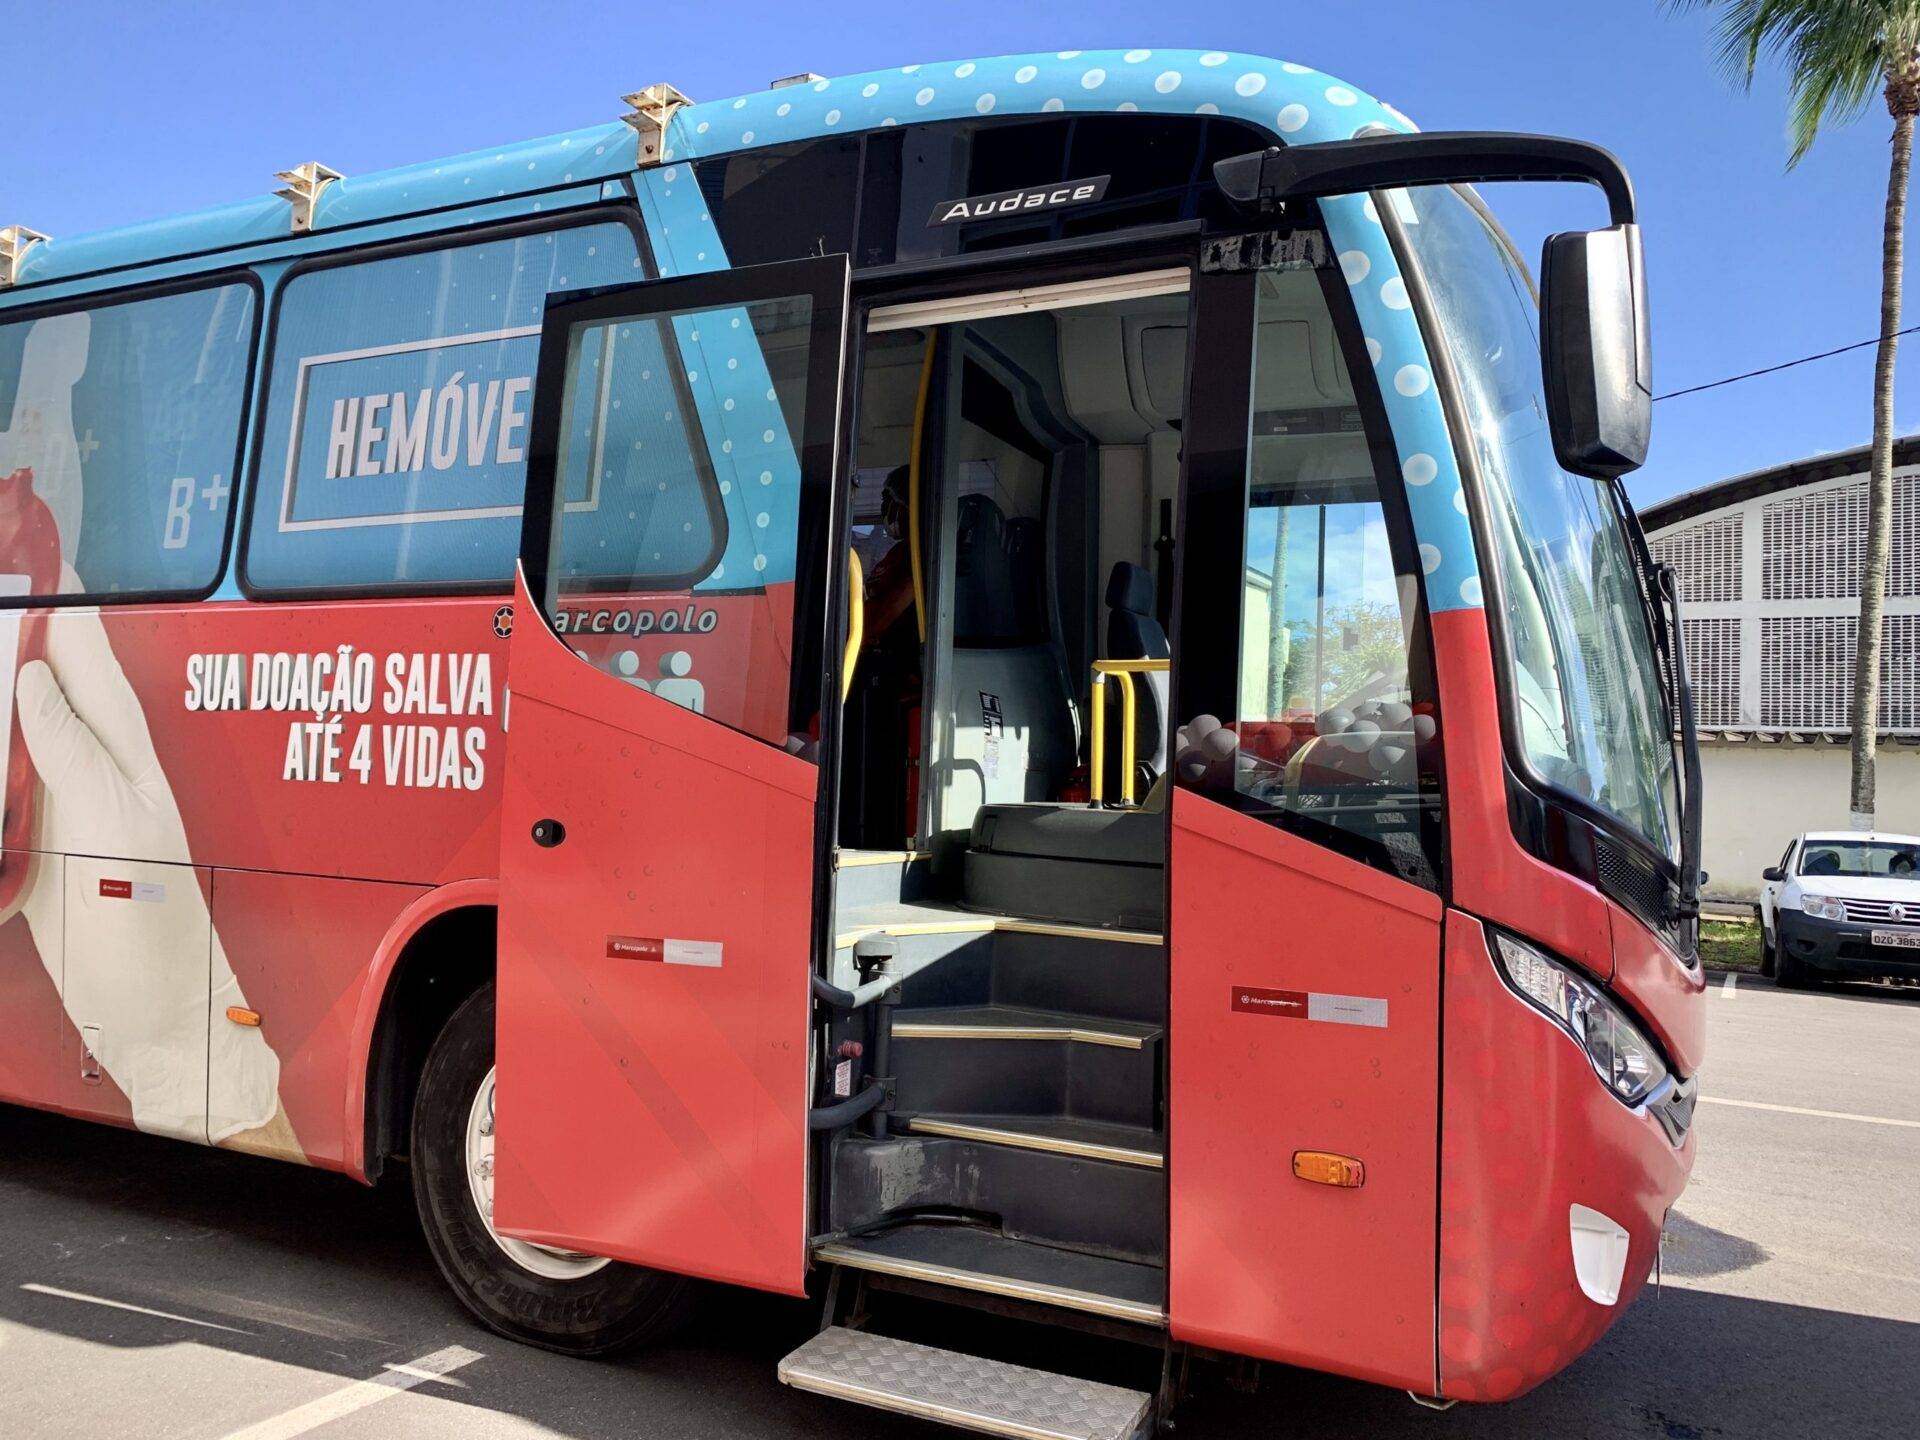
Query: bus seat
1070, 864
1026, 557
1011, 732
985, 595
1134, 633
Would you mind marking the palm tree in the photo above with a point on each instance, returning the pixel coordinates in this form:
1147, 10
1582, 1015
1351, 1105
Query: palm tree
1838, 53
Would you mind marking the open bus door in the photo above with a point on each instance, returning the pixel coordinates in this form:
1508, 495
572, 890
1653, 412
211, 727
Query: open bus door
660, 850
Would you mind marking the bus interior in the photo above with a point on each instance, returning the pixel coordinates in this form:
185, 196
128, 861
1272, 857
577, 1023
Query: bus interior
1004, 926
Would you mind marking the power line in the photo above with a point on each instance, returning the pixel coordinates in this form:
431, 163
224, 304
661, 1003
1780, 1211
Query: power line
1784, 365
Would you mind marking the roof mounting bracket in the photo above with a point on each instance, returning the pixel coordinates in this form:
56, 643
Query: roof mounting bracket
653, 107
15, 241
302, 190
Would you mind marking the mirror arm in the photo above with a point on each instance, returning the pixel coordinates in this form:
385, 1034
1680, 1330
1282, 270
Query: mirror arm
1264, 179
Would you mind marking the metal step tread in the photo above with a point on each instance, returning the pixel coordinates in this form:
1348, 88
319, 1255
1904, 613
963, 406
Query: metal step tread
990, 1396
1063, 1135
931, 917
1017, 1022
969, 1257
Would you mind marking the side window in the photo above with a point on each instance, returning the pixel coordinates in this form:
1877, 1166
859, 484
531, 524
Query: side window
1335, 724
119, 431
781, 201
395, 435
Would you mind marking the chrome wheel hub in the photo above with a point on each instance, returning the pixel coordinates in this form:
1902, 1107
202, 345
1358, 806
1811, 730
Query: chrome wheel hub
541, 1260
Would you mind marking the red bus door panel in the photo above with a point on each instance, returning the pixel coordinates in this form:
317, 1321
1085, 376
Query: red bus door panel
652, 1032
658, 834
1304, 1016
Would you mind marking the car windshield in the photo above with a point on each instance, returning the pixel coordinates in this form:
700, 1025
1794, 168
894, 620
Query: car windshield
1582, 671
1887, 859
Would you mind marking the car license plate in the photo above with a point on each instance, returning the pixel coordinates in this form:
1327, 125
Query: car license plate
1899, 939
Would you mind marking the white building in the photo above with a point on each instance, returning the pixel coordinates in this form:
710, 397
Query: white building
1769, 570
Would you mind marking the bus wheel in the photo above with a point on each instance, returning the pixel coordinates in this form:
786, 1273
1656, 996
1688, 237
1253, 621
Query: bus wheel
557, 1299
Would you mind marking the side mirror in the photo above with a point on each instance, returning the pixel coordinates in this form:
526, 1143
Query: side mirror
1773, 874
1594, 350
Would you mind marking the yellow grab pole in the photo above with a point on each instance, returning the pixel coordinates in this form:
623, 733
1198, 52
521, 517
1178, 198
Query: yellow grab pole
856, 621
913, 487
1097, 746
1127, 723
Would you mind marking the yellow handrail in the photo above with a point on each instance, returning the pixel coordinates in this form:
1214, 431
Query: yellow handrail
856, 621
1097, 742
913, 487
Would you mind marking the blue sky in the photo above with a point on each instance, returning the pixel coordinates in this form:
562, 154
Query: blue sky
122, 112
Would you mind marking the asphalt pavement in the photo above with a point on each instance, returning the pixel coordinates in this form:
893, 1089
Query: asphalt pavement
148, 1289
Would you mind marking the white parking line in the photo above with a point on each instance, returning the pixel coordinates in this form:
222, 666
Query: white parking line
358, 1396
1726, 986
1817, 1114
59, 1294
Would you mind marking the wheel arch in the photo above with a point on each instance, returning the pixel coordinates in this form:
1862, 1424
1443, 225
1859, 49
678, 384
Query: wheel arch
438, 951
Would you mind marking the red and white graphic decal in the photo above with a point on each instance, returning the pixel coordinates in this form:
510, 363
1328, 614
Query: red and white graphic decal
132, 890
1290, 1004
703, 953
1311, 1005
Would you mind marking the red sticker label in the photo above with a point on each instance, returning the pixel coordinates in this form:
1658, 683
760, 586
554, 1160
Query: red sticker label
1289, 1003
632, 947
116, 889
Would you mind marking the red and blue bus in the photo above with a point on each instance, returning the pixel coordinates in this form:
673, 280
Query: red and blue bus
1024, 683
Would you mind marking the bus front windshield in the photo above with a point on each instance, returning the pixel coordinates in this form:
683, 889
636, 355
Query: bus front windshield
1583, 675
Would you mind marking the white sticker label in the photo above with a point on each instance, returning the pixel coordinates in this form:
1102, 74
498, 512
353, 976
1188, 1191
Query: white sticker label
1347, 1010
843, 1079
152, 894
692, 952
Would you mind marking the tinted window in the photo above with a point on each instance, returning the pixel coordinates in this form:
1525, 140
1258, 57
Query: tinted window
784, 201
125, 419
395, 435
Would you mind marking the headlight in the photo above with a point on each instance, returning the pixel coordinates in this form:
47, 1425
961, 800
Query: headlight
1622, 1056
1823, 907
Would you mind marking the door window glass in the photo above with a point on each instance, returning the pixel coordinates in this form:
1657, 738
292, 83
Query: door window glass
673, 555
1336, 726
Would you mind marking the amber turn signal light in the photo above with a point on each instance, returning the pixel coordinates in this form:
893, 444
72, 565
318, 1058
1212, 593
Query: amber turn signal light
240, 1015
1323, 1167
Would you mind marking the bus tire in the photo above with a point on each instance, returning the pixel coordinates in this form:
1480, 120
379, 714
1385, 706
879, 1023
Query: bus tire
558, 1300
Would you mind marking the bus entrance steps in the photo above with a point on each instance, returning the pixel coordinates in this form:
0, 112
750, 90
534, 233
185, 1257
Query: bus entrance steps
989, 1396
975, 1258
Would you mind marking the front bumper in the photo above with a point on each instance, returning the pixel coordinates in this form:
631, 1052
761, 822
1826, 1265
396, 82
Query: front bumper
1844, 946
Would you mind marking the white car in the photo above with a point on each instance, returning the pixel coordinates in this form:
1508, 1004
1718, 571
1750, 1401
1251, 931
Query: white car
1842, 902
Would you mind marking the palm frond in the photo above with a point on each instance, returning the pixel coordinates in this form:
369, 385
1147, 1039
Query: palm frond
1837, 53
